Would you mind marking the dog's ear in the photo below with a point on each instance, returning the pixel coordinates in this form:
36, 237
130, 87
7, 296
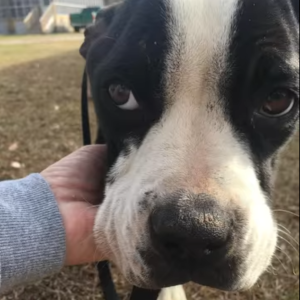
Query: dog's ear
103, 20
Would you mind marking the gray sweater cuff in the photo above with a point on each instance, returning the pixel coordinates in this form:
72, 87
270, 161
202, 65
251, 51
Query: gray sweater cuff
32, 236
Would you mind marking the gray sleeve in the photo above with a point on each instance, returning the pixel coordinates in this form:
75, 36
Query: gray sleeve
32, 236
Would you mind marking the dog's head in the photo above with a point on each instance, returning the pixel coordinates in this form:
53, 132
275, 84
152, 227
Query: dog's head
195, 99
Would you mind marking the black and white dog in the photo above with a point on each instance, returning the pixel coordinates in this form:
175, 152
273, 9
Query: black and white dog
195, 99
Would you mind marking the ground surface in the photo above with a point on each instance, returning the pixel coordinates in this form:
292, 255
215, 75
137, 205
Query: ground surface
40, 123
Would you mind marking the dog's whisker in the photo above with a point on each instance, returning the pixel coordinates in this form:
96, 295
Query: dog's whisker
285, 228
271, 270
289, 243
287, 212
288, 235
282, 264
285, 253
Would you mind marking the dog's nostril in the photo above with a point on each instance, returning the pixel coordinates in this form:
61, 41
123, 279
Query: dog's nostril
191, 230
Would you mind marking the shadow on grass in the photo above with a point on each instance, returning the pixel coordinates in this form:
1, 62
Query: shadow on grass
40, 117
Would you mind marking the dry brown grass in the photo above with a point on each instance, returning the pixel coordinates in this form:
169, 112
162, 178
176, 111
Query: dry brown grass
40, 111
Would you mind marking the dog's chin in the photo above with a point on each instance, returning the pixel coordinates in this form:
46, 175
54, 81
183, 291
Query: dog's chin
166, 276
155, 284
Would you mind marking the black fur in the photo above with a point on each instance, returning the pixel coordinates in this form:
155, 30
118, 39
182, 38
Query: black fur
266, 36
140, 31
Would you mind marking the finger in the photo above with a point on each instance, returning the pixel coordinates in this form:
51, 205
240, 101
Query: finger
80, 175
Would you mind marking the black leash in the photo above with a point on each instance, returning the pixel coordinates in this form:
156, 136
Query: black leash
106, 281
105, 276
85, 119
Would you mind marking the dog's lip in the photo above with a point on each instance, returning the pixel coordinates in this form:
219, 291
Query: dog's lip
168, 275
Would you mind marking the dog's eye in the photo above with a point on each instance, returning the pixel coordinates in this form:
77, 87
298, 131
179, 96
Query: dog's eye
279, 103
123, 97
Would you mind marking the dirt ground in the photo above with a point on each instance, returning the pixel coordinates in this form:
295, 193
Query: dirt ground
40, 123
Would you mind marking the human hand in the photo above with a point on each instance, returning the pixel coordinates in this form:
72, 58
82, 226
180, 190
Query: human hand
77, 182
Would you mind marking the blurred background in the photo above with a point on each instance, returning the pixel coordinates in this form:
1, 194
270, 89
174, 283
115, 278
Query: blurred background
47, 16
40, 80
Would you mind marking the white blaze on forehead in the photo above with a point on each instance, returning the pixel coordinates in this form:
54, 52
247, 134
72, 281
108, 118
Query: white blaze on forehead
194, 140
200, 32
200, 35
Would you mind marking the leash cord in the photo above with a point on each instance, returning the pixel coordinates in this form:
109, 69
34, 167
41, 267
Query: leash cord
106, 281
105, 276
85, 112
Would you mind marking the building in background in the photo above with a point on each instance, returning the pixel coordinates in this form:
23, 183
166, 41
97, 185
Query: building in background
41, 16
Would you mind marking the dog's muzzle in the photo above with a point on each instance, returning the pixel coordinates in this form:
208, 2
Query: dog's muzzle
192, 237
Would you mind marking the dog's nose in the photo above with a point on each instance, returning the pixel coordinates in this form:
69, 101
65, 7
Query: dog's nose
191, 228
